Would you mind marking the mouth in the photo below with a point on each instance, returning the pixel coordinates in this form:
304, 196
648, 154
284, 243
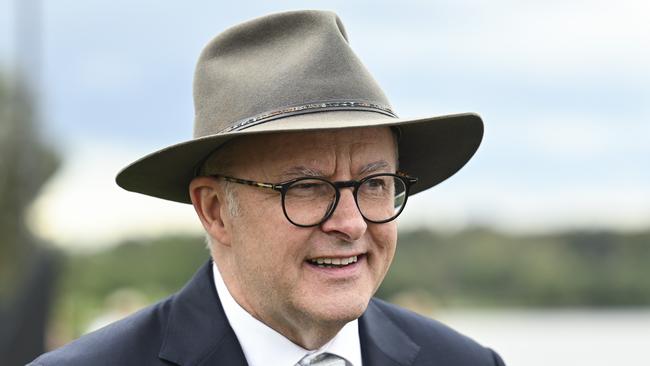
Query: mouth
334, 262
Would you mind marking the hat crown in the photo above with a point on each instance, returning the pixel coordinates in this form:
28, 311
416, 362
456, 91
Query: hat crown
265, 68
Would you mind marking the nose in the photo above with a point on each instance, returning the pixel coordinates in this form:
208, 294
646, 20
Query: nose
346, 220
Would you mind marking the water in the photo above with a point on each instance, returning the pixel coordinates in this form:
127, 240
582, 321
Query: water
559, 337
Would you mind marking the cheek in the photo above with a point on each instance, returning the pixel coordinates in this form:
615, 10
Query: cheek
268, 239
384, 237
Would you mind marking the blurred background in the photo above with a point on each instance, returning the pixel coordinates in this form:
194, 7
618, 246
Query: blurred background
539, 247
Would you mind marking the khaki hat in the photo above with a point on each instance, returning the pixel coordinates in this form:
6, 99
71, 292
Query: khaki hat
295, 71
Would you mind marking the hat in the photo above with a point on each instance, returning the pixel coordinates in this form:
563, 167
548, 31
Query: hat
295, 71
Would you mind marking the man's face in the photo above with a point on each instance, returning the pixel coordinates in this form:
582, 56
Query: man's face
270, 269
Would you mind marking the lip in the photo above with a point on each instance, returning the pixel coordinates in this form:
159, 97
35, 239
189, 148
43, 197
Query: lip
347, 271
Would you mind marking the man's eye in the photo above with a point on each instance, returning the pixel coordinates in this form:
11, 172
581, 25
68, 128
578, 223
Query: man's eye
376, 183
309, 188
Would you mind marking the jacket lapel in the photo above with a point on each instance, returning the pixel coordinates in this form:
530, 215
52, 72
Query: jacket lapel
383, 342
197, 331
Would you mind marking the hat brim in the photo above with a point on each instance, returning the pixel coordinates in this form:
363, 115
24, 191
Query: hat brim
431, 149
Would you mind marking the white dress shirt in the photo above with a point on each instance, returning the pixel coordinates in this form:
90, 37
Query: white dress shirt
264, 346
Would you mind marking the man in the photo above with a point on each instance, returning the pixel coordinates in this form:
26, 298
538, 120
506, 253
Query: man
293, 172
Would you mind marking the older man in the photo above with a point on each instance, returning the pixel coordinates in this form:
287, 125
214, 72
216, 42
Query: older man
294, 174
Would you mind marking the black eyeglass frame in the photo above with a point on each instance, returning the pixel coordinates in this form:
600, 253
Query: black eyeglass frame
283, 187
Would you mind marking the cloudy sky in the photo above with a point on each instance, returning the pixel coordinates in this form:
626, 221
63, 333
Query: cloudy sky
563, 87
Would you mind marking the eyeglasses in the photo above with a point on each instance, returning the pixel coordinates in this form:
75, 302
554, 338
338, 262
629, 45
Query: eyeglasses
310, 201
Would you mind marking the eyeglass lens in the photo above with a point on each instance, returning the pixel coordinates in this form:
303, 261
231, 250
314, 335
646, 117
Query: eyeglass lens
379, 198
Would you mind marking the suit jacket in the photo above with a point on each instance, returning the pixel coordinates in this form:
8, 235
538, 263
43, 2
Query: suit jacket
191, 328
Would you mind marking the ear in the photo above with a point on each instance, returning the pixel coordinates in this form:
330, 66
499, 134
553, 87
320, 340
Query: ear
207, 198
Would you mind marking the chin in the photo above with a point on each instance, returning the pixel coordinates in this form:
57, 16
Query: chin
341, 311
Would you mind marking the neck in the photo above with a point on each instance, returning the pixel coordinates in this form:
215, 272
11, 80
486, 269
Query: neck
306, 334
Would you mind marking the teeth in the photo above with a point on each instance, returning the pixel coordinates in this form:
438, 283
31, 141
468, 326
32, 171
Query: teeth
328, 262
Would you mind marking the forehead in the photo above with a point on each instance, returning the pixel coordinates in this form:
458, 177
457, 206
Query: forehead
314, 149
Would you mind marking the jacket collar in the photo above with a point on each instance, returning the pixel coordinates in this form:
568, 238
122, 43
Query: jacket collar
382, 341
198, 332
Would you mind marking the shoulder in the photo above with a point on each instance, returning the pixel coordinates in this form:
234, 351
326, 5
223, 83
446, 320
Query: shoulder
438, 342
134, 340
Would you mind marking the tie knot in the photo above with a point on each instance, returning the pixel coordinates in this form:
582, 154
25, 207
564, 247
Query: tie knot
324, 359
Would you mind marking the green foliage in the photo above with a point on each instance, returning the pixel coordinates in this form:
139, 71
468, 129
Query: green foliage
469, 268
480, 267
155, 268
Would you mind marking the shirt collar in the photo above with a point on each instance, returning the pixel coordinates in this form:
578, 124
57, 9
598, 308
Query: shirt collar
260, 343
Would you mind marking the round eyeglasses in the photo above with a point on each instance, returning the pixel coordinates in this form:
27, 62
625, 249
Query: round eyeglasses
310, 201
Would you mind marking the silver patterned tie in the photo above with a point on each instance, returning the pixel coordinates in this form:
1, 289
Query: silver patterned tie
324, 359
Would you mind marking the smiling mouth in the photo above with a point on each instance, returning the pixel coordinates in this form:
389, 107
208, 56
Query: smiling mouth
333, 262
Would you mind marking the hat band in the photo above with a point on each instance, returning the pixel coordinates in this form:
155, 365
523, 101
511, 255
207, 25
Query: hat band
308, 108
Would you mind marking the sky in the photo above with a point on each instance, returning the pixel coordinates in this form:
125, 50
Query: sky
563, 88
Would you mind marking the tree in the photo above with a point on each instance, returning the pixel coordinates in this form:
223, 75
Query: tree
27, 268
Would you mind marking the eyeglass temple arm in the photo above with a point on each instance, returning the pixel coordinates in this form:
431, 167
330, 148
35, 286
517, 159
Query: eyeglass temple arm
411, 180
249, 182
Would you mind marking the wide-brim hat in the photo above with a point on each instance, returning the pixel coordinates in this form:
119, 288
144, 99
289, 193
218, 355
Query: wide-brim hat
288, 72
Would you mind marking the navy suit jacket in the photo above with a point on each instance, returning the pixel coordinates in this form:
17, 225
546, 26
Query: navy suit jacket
191, 328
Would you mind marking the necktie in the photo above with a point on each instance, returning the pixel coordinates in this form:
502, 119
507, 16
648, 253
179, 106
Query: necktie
324, 359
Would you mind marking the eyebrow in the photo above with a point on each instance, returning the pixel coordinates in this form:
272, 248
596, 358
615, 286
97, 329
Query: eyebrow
302, 171
374, 167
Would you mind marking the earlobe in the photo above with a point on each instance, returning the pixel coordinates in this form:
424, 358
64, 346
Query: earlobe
206, 196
